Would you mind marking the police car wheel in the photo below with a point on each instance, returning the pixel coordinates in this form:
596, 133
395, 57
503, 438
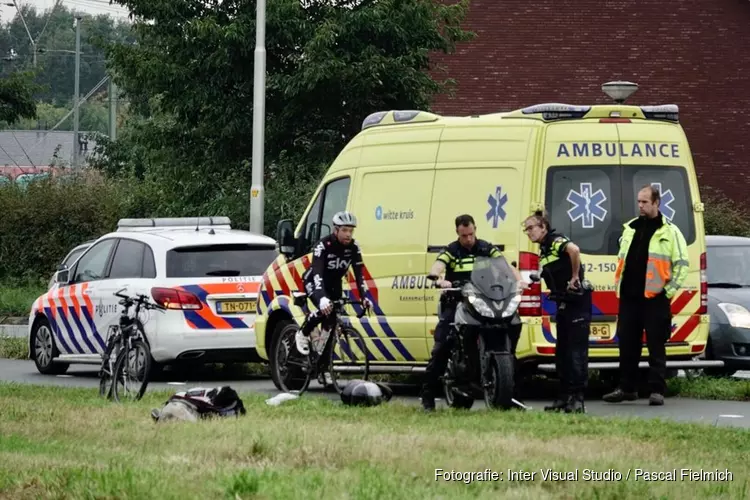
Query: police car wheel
44, 350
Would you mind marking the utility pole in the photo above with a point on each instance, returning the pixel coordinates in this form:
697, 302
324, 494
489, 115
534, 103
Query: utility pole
112, 110
76, 91
259, 112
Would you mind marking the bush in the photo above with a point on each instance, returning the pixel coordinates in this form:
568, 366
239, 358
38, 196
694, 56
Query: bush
724, 216
44, 220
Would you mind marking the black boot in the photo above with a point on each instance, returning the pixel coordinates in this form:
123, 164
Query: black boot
558, 404
575, 404
428, 400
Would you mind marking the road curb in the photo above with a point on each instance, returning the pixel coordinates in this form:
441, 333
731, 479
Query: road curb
13, 331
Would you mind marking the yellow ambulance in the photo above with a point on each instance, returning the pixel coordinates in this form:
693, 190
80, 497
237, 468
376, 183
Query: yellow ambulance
408, 174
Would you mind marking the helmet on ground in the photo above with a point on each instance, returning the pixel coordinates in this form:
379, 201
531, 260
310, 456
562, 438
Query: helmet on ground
362, 393
344, 219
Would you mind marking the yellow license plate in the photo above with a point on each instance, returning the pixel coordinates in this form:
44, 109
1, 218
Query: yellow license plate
600, 332
236, 307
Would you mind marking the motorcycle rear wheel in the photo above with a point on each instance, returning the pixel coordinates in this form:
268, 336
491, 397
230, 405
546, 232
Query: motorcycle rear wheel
453, 398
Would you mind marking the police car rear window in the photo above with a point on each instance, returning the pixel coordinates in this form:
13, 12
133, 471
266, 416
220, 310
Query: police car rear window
219, 260
590, 204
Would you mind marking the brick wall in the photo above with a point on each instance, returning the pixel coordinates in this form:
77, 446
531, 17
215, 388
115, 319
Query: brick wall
694, 53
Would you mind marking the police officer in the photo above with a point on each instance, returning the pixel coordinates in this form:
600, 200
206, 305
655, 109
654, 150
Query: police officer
458, 262
562, 271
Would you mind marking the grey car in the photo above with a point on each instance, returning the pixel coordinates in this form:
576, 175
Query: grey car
728, 276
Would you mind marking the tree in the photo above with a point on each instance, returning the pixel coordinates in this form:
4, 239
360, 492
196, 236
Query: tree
190, 76
17, 97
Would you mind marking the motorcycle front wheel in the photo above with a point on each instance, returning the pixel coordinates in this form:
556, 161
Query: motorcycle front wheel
498, 390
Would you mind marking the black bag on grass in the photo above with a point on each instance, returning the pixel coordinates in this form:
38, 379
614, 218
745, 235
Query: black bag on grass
200, 402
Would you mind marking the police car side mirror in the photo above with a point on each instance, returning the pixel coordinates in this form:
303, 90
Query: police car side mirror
285, 237
62, 277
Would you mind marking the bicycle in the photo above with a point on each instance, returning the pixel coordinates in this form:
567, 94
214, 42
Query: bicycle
293, 372
124, 339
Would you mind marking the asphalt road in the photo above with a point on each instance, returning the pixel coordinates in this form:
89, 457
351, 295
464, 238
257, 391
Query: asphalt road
717, 413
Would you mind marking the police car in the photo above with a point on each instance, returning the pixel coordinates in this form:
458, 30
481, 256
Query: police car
208, 273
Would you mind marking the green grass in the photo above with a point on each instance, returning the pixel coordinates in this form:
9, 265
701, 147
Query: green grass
16, 298
13, 347
68, 443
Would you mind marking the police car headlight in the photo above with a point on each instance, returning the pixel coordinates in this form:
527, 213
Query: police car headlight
481, 306
513, 304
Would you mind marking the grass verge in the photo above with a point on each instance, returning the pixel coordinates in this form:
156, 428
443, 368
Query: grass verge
68, 443
16, 297
13, 347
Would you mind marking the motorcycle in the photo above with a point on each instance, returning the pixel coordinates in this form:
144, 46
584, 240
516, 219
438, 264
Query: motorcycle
485, 327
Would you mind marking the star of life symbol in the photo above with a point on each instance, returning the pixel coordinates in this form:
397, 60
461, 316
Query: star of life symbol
496, 203
666, 200
587, 205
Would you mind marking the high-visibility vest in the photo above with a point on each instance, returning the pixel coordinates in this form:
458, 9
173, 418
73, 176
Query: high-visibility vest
668, 263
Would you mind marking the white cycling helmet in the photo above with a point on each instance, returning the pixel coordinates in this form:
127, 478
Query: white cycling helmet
344, 219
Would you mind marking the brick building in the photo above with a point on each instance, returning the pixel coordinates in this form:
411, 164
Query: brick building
693, 53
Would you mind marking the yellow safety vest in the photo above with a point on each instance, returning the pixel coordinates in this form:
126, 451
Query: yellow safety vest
668, 262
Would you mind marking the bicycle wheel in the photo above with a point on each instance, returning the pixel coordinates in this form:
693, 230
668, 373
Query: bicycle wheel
350, 358
131, 371
291, 370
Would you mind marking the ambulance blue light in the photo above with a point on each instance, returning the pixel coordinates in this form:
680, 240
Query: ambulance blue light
404, 116
557, 111
669, 112
373, 119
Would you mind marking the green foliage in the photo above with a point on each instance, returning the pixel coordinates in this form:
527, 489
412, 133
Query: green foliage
54, 32
723, 216
17, 97
43, 221
191, 79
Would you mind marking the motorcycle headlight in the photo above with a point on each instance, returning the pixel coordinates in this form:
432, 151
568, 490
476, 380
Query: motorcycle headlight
513, 304
481, 306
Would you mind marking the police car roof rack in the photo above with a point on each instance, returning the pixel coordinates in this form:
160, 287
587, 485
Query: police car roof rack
174, 223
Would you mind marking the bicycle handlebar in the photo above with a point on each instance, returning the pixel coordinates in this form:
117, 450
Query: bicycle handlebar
140, 299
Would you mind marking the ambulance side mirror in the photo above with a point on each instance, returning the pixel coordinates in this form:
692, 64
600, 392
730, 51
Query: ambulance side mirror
285, 237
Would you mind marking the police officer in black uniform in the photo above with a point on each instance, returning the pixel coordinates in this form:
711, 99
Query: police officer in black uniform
563, 273
458, 262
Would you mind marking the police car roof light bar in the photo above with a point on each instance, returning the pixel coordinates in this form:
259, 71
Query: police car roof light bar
619, 91
174, 222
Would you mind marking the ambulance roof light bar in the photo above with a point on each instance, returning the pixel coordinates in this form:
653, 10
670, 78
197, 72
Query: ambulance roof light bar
619, 91
557, 111
174, 223
668, 112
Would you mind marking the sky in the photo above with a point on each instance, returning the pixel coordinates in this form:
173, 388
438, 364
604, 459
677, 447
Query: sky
93, 7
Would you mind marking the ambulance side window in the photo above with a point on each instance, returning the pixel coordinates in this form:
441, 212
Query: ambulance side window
585, 204
318, 223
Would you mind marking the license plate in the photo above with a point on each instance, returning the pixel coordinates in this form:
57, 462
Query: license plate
599, 332
236, 307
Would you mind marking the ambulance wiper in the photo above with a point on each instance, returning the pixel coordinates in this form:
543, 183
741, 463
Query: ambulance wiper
725, 284
223, 272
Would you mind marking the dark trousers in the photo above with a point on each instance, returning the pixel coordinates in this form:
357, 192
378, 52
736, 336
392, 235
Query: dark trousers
441, 352
572, 352
635, 315
327, 322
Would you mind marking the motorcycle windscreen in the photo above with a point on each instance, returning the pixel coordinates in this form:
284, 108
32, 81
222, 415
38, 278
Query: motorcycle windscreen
494, 278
